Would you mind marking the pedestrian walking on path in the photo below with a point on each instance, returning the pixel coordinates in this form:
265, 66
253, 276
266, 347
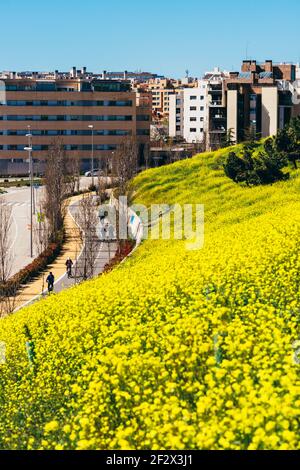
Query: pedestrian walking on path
50, 281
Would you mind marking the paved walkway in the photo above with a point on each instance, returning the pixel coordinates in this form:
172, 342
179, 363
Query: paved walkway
72, 248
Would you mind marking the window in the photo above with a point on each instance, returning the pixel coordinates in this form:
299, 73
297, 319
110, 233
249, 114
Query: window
201, 108
107, 86
177, 110
141, 117
143, 132
201, 98
193, 108
177, 128
202, 119
193, 129
193, 119
193, 97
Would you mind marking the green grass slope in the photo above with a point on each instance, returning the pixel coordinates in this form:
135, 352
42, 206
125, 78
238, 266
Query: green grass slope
175, 349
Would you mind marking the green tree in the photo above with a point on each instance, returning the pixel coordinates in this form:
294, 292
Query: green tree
228, 140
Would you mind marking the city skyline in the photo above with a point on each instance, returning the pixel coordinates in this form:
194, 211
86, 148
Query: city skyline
166, 38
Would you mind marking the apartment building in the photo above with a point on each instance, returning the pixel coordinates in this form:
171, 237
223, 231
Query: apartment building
176, 115
161, 90
66, 105
135, 77
195, 112
259, 98
188, 113
200, 113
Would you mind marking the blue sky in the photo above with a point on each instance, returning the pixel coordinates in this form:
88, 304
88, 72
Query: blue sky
162, 36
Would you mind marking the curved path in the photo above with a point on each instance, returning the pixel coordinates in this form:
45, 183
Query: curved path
73, 249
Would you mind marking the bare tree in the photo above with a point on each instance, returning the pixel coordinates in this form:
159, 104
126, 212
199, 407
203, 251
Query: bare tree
7, 288
8, 297
41, 232
102, 179
125, 163
5, 241
72, 174
56, 188
87, 220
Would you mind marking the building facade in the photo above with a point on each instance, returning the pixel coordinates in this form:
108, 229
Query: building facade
259, 99
176, 115
195, 112
199, 113
188, 113
66, 107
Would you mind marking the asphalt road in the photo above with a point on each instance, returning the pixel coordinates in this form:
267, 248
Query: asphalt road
19, 201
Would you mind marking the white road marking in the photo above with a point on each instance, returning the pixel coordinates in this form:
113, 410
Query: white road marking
17, 232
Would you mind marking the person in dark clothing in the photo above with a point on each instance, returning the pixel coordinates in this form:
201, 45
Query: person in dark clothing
50, 281
69, 265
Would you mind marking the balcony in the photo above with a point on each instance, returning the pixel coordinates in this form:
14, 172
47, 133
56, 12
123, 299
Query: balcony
217, 130
216, 103
219, 116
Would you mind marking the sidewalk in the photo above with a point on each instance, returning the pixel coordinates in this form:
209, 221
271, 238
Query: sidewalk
71, 248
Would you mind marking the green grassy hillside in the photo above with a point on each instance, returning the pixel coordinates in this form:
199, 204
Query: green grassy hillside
174, 349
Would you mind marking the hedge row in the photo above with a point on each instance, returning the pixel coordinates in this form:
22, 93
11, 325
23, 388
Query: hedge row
33, 269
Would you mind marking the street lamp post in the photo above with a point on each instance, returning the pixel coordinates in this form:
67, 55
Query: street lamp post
29, 149
92, 128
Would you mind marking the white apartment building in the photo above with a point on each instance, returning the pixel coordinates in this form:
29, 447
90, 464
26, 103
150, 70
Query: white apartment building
189, 113
195, 112
198, 112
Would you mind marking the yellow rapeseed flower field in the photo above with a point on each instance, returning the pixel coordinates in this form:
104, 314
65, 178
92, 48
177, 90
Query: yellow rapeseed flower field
175, 349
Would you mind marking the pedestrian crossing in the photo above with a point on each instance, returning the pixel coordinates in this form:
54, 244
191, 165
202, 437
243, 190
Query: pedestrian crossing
16, 204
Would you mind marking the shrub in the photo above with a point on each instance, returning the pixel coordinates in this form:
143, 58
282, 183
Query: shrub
33, 269
256, 167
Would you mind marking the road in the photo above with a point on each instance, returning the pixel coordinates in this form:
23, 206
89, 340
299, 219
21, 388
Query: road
19, 201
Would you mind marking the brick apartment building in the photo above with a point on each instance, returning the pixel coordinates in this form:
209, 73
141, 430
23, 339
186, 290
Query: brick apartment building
65, 105
259, 98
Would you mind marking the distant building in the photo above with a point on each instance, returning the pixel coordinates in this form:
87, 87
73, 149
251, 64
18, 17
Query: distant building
65, 105
195, 112
259, 98
137, 77
199, 113
163, 89
176, 115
